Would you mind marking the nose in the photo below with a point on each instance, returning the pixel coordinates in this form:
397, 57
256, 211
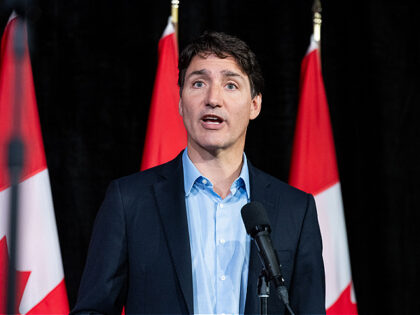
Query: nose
214, 97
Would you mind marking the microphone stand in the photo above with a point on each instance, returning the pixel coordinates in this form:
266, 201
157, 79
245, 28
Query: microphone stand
263, 292
15, 165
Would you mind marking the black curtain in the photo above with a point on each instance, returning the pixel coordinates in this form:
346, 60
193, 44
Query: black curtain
94, 64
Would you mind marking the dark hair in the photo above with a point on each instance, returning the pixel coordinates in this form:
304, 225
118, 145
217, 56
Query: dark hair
223, 45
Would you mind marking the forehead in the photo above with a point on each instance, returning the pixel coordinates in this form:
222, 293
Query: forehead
213, 64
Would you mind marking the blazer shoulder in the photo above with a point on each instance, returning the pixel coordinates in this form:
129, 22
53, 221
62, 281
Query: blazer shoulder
152, 175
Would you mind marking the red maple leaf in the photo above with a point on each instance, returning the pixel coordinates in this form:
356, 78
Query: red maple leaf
343, 305
21, 279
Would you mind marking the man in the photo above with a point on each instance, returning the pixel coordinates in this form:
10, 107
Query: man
170, 240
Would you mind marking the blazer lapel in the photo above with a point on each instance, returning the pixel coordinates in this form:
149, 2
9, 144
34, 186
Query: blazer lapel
170, 198
260, 191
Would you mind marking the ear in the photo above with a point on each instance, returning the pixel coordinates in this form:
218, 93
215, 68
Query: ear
180, 108
255, 106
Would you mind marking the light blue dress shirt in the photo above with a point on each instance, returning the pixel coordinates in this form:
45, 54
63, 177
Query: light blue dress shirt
219, 244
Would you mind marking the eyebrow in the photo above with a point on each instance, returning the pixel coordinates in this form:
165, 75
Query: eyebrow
226, 73
198, 72
229, 73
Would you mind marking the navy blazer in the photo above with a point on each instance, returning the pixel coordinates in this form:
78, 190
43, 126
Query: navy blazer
139, 255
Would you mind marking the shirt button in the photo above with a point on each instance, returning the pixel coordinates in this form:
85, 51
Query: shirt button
204, 181
223, 278
221, 205
222, 241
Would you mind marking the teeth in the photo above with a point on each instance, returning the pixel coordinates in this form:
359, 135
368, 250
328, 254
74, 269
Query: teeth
212, 120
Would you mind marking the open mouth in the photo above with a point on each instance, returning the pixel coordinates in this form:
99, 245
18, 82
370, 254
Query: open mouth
212, 119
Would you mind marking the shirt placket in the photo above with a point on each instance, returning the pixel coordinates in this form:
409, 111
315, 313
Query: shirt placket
221, 276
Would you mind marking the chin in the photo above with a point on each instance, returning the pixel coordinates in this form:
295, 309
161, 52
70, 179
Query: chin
211, 147
214, 148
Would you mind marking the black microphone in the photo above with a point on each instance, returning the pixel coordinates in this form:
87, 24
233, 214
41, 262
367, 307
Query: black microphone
257, 226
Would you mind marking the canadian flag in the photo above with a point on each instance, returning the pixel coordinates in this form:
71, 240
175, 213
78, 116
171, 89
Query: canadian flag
39, 271
166, 135
314, 170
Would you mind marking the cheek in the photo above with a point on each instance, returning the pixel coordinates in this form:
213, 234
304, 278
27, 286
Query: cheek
183, 107
187, 116
189, 107
242, 111
185, 112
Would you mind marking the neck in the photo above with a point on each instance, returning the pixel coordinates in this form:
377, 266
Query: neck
220, 168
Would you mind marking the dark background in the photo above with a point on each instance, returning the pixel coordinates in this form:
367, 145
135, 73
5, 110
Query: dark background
94, 64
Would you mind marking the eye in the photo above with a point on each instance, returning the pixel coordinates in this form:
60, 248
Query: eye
198, 84
231, 86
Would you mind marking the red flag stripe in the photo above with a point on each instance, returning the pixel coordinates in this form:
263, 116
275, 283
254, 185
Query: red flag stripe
31, 132
166, 135
39, 252
314, 166
314, 170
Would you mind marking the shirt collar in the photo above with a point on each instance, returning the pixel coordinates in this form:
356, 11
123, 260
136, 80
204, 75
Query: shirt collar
191, 173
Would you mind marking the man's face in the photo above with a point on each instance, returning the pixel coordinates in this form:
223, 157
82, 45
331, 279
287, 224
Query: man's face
216, 104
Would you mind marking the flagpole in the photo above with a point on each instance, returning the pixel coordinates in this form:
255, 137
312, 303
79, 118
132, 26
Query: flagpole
174, 15
317, 20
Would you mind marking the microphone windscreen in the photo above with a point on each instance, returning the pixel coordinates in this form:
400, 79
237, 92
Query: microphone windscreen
254, 214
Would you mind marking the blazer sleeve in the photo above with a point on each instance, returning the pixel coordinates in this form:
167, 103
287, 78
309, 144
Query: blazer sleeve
307, 291
104, 281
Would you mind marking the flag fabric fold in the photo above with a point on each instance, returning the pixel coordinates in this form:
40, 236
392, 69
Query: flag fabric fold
314, 170
39, 270
166, 135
